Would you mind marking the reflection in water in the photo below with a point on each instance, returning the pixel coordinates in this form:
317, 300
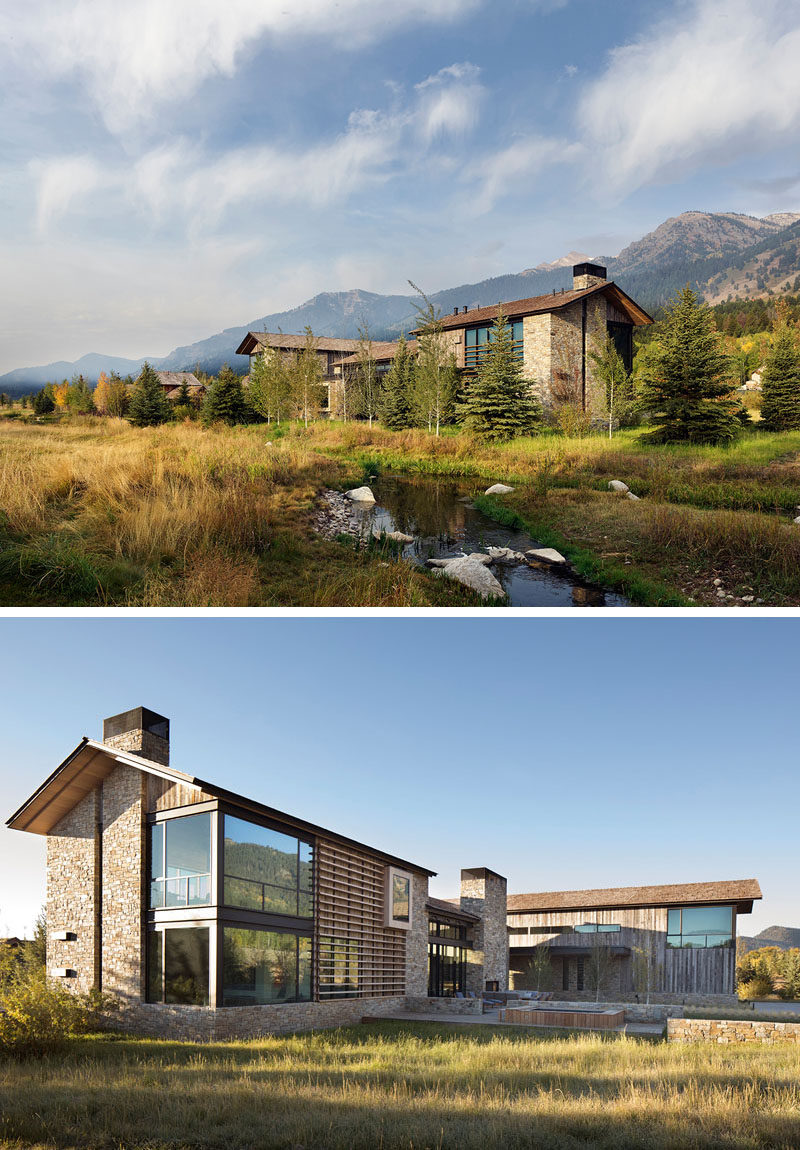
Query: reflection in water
443, 521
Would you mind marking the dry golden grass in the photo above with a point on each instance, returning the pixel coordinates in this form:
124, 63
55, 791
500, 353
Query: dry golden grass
406, 1086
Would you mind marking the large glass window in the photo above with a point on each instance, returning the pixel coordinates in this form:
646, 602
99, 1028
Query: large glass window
180, 862
262, 966
700, 926
338, 968
266, 870
597, 928
177, 966
477, 340
447, 970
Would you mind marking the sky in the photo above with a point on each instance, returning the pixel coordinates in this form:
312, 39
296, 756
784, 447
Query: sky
169, 170
564, 754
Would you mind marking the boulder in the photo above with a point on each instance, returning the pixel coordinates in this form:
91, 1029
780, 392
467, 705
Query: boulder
630, 495
797, 520
546, 555
504, 555
617, 485
479, 557
398, 536
360, 495
441, 562
499, 489
474, 575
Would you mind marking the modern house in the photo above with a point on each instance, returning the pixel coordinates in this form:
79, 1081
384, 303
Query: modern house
172, 382
675, 942
555, 335
210, 914
330, 352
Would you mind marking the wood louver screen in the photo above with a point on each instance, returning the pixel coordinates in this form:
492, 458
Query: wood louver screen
357, 955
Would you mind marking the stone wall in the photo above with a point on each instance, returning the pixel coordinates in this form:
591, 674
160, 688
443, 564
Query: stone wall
72, 881
483, 893
444, 1005
537, 350
417, 939
123, 815
567, 352
730, 1030
204, 1023
141, 742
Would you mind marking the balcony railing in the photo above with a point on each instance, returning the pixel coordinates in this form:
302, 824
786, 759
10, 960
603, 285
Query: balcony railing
182, 890
475, 353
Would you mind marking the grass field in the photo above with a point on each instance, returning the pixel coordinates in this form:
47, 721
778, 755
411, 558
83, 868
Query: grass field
393, 1085
93, 512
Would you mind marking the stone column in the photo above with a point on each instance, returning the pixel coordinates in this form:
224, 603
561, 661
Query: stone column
483, 893
417, 939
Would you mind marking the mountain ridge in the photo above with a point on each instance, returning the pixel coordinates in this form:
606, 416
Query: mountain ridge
720, 254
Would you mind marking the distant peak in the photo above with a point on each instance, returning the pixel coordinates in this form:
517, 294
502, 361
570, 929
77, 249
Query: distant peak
566, 261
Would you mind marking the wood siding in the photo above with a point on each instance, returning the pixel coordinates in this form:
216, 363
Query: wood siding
682, 970
351, 906
163, 795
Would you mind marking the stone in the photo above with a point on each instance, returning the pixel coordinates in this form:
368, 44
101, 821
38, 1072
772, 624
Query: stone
546, 555
720, 593
747, 598
397, 536
498, 489
474, 575
630, 495
440, 562
504, 555
360, 495
717, 582
479, 557
797, 520
617, 485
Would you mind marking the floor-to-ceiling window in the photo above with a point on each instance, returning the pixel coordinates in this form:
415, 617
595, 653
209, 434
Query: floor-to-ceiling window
447, 960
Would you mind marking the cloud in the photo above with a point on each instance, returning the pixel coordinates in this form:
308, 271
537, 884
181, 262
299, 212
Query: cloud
510, 170
449, 101
61, 184
135, 56
713, 83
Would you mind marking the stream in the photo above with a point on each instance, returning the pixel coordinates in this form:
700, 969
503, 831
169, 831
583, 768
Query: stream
440, 515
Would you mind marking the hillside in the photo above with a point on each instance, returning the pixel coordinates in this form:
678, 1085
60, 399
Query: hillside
783, 937
721, 254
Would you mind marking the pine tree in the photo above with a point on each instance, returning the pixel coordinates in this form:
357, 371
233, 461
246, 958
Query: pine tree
398, 388
43, 402
780, 404
500, 403
148, 405
689, 390
224, 400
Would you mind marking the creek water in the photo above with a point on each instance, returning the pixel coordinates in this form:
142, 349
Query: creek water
439, 513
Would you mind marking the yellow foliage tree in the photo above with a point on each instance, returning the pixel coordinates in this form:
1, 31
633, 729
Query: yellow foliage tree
101, 394
60, 391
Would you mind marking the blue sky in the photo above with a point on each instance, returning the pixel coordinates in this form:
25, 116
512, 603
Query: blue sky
168, 170
564, 754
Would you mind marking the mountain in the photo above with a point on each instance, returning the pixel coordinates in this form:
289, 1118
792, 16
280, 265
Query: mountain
720, 254
783, 937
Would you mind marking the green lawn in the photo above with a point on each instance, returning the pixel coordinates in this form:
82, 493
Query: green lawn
394, 1085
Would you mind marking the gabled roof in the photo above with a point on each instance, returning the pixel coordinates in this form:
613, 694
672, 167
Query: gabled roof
92, 761
385, 350
176, 378
739, 891
538, 304
255, 341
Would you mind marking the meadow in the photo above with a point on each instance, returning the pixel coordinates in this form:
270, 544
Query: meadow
95, 512
410, 1086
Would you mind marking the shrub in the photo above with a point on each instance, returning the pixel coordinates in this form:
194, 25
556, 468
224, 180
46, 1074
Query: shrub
755, 988
38, 1018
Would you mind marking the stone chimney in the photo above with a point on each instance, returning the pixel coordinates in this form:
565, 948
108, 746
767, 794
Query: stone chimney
141, 732
483, 893
587, 275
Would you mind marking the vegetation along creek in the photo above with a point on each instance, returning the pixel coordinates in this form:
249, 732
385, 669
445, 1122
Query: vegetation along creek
444, 522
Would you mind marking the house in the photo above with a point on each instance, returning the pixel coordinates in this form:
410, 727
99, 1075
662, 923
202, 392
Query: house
210, 914
676, 941
554, 335
172, 382
329, 350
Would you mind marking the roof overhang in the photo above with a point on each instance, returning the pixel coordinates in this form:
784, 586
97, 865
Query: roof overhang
91, 762
72, 780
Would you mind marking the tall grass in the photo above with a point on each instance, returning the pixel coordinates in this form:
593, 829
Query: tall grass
406, 1086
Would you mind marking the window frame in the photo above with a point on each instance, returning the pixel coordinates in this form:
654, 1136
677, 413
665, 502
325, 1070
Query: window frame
729, 940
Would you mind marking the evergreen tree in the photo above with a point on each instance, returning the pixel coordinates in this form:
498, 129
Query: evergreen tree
398, 388
148, 405
689, 387
500, 403
43, 402
184, 397
225, 399
780, 404
79, 396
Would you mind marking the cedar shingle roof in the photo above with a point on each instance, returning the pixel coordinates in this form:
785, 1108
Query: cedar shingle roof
452, 909
176, 378
387, 350
741, 891
555, 301
255, 340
